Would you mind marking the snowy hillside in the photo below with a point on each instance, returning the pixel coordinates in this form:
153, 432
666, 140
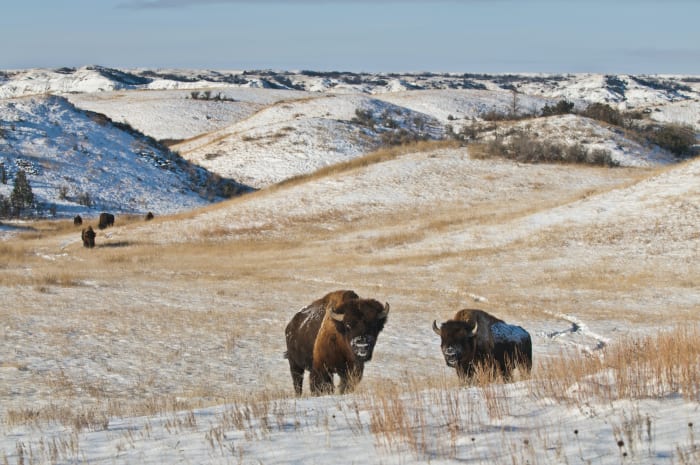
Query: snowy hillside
261, 127
169, 349
78, 162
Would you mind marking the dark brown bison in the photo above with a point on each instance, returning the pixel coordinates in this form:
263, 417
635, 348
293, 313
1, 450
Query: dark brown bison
149, 216
333, 335
88, 236
475, 338
77, 220
106, 220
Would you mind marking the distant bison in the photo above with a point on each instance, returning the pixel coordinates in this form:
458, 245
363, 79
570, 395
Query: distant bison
77, 220
149, 216
474, 337
334, 334
88, 236
106, 220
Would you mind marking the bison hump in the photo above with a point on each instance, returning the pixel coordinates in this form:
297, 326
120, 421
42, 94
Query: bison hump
503, 332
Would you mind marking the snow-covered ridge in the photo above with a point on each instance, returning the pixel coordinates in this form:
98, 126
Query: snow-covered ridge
81, 162
258, 128
623, 90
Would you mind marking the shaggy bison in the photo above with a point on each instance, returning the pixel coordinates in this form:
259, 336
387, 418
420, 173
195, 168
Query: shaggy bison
333, 335
106, 220
149, 216
88, 236
474, 337
77, 220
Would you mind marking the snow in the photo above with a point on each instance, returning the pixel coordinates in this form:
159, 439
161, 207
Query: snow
156, 358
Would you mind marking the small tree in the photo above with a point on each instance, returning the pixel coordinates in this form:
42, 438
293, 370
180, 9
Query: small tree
562, 107
5, 208
22, 196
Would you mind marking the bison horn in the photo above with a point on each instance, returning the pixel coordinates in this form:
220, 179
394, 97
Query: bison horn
476, 325
435, 328
336, 316
385, 312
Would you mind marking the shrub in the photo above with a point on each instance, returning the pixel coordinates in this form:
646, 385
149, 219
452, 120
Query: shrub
562, 107
603, 112
84, 199
676, 138
525, 148
364, 118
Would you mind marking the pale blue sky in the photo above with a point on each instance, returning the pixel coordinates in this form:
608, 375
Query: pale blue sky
491, 36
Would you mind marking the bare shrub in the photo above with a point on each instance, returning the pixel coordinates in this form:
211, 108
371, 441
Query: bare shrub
523, 147
676, 138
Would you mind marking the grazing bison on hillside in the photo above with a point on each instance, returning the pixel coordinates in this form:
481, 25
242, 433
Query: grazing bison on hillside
88, 237
474, 337
106, 220
77, 220
149, 216
334, 334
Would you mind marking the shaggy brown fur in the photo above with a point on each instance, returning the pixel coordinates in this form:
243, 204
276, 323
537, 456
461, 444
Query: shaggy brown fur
106, 220
474, 337
334, 335
88, 237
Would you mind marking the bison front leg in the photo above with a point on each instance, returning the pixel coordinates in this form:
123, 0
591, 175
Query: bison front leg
349, 379
465, 372
321, 382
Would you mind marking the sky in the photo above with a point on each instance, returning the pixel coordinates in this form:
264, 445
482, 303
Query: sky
491, 36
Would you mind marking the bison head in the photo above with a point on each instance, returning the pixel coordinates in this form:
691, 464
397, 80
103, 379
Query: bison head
360, 321
458, 341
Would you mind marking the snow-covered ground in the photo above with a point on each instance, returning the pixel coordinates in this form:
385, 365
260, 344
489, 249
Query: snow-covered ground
164, 343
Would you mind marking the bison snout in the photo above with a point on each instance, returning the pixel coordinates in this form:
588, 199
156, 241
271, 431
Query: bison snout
452, 356
362, 347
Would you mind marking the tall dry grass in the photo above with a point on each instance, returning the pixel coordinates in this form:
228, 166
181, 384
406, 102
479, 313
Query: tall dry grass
651, 366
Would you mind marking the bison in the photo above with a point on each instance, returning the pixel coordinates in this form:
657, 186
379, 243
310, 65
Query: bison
333, 335
149, 216
475, 338
106, 220
77, 220
88, 236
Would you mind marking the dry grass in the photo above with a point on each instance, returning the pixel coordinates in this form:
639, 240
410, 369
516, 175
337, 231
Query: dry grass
635, 368
378, 156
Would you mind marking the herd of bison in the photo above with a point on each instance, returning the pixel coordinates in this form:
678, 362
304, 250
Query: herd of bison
336, 334
105, 221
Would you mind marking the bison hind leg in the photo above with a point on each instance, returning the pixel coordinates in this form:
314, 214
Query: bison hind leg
297, 376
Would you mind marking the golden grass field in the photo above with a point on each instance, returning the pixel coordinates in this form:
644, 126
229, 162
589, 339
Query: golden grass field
189, 310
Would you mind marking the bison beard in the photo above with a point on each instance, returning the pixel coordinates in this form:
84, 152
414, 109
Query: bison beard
475, 338
333, 335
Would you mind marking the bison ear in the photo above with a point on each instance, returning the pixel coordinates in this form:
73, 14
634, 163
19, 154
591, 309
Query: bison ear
436, 329
385, 312
336, 316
